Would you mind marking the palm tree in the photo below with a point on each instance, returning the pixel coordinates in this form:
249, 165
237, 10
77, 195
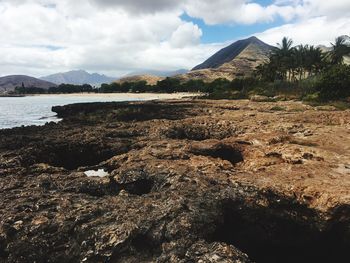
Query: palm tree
339, 49
282, 55
292, 63
314, 60
266, 72
298, 60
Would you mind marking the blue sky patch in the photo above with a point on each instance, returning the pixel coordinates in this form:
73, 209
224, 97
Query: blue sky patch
222, 33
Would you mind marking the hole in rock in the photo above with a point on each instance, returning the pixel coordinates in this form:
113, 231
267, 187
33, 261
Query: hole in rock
273, 237
199, 132
3, 253
189, 132
143, 243
99, 189
139, 187
222, 151
73, 155
142, 248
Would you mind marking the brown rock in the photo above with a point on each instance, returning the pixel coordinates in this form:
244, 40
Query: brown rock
189, 181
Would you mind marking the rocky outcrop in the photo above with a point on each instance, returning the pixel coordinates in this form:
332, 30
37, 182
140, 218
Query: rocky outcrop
187, 181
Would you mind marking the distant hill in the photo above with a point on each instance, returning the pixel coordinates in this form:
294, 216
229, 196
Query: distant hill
9, 83
78, 77
238, 59
150, 79
157, 73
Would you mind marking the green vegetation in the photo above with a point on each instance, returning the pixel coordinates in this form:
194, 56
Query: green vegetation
307, 72
303, 72
334, 83
63, 88
168, 85
29, 90
278, 108
289, 63
69, 88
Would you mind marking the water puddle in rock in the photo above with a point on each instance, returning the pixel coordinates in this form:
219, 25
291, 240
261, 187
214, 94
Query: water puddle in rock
99, 173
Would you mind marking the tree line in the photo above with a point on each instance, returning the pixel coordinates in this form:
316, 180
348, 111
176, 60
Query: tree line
63, 88
168, 85
303, 71
288, 63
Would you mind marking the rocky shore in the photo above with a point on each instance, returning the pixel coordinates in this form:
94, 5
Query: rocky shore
186, 181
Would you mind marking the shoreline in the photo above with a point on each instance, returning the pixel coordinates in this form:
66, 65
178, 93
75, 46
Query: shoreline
160, 96
38, 116
212, 176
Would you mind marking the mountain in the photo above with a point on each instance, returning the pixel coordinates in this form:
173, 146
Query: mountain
78, 77
231, 52
150, 79
9, 83
238, 59
158, 73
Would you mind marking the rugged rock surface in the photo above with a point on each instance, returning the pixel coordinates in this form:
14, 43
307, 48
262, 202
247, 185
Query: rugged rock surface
189, 181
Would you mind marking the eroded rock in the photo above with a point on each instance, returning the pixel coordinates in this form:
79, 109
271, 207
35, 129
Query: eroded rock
186, 181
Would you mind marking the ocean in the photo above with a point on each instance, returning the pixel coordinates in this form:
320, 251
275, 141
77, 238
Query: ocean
36, 110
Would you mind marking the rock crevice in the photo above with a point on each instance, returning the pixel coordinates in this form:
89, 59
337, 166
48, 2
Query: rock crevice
184, 181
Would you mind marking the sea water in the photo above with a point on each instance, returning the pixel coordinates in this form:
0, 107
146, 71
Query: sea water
36, 110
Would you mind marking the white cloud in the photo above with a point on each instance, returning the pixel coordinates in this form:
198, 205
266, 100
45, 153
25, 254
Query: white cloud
315, 31
185, 35
115, 36
42, 39
250, 12
138, 6
237, 11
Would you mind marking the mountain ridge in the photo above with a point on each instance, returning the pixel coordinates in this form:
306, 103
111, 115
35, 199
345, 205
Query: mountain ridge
230, 52
156, 73
10, 82
236, 60
150, 79
78, 77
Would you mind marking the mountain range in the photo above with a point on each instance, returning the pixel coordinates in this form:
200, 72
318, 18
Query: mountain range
78, 77
9, 83
236, 60
157, 73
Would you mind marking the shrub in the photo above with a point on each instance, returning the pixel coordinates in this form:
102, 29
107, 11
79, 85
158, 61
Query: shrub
312, 97
335, 83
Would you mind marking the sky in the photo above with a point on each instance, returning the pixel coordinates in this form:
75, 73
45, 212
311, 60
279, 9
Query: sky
116, 37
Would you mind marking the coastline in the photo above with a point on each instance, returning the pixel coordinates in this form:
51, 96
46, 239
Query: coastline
11, 95
160, 96
38, 106
219, 177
